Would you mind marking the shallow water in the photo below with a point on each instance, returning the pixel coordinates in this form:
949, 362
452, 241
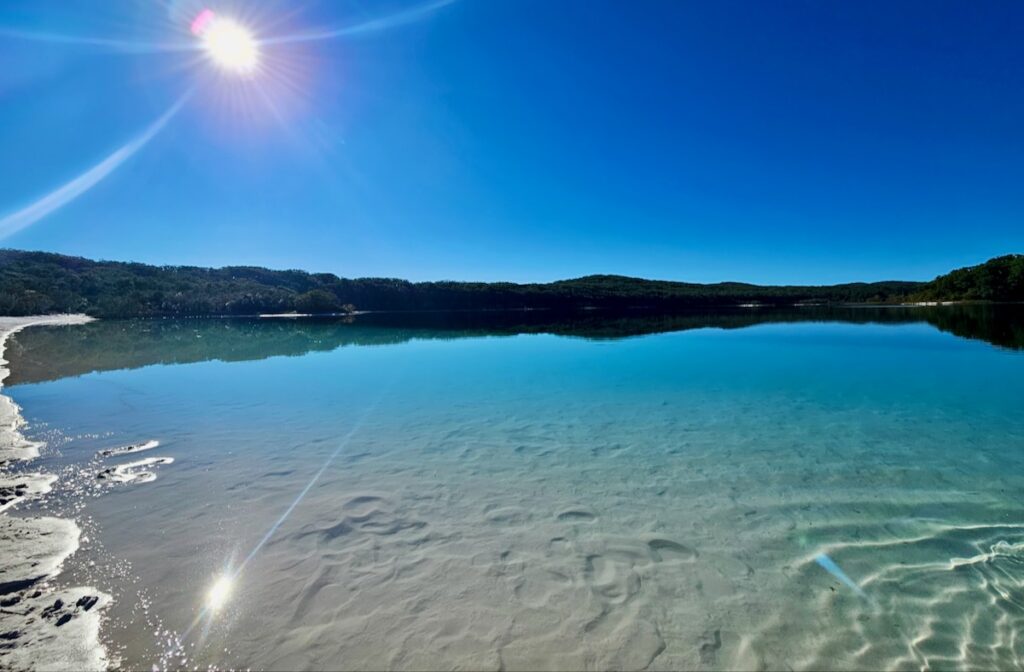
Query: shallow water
529, 493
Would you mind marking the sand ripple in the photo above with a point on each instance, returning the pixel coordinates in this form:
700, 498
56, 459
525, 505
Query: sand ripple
931, 603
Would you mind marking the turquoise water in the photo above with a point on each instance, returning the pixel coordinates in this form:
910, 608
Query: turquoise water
478, 497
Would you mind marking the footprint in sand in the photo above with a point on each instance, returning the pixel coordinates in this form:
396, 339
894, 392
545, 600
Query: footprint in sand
710, 643
663, 550
362, 507
362, 514
612, 577
576, 516
508, 515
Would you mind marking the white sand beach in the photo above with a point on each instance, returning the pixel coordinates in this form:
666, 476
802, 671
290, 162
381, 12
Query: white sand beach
16, 487
43, 627
14, 446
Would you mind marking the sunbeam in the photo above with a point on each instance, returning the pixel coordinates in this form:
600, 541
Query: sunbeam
125, 46
372, 26
219, 592
395, 20
30, 214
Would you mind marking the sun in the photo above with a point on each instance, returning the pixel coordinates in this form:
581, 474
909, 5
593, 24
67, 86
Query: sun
231, 47
228, 44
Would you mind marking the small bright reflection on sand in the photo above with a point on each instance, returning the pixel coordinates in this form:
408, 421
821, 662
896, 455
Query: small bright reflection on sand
219, 593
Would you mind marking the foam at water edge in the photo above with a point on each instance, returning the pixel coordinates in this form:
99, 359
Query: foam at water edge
43, 628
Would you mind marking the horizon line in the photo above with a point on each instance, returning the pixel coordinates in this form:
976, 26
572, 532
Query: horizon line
491, 282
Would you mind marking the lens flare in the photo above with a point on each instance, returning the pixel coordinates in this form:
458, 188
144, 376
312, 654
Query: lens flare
61, 196
229, 45
201, 22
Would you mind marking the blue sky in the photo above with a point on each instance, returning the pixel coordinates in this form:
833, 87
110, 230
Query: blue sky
775, 142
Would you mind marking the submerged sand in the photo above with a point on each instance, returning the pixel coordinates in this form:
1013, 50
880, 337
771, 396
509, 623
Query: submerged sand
41, 627
504, 522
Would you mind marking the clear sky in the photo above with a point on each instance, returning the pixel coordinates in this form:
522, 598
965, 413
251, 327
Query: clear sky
772, 142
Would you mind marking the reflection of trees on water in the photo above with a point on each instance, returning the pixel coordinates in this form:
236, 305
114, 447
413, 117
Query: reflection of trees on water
51, 353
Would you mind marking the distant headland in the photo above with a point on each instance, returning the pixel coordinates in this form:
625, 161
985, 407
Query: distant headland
39, 282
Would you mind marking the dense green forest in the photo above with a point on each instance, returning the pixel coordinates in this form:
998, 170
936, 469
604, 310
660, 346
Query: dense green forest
39, 282
999, 279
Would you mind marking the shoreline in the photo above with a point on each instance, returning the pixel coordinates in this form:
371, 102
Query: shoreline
13, 446
639, 308
43, 627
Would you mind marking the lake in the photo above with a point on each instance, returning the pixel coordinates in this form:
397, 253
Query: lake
806, 488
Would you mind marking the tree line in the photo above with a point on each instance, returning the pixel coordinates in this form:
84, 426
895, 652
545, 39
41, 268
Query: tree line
41, 282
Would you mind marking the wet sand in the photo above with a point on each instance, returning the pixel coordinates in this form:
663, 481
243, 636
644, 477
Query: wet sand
42, 627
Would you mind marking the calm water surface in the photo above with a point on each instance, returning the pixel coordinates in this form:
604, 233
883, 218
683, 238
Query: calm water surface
521, 492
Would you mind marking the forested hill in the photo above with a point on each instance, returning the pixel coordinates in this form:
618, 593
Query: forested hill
38, 282
999, 279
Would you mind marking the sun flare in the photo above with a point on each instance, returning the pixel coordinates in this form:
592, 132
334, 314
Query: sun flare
229, 45
218, 594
